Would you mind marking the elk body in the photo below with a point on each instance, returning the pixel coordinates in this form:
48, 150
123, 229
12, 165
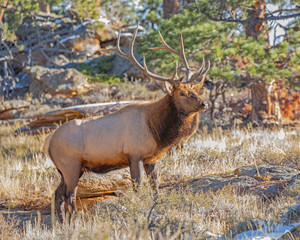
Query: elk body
134, 137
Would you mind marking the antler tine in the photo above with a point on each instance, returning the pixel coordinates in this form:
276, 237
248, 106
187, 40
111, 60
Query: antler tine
201, 72
198, 72
117, 49
174, 78
166, 46
180, 54
130, 56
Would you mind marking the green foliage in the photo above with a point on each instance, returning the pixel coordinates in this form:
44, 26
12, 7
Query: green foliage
24, 8
96, 70
150, 13
13, 19
232, 54
102, 77
96, 66
86, 9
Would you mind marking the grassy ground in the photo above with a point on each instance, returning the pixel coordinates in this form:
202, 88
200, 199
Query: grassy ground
27, 181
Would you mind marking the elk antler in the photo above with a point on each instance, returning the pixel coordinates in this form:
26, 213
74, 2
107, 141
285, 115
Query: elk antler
144, 69
191, 76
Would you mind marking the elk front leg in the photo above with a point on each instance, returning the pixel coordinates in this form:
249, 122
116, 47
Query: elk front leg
152, 172
136, 169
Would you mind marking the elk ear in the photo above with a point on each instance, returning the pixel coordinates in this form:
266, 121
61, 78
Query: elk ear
169, 88
198, 87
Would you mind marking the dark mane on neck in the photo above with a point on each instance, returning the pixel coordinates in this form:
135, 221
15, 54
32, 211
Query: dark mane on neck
166, 123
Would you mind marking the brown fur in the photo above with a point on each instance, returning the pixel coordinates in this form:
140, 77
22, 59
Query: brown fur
134, 136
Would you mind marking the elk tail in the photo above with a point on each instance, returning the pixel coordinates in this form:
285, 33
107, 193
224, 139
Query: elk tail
46, 144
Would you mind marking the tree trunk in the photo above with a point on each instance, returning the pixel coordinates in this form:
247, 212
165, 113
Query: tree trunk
170, 7
259, 92
44, 7
259, 95
254, 29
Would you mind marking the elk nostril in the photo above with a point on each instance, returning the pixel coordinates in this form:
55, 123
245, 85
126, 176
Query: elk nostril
204, 104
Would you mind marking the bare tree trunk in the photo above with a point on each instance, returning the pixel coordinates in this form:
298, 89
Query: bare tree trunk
259, 97
259, 92
170, 7
44, 7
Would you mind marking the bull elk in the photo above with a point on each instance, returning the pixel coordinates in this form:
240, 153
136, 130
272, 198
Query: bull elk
133, 137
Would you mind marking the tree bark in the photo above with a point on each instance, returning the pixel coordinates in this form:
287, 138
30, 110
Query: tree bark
254, 29
44, 7
170, 7
259, 95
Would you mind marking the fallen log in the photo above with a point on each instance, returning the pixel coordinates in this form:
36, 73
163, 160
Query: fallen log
50, 121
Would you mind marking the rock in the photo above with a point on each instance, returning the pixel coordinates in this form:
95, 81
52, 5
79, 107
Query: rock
268, 189
24, 80
60, 60
85, 43
270, 181
106, 34
292, 234
260, 229
291, 216
215, 183
21, 59
11, 109
122, 66
68, 82
245, 226
268, 172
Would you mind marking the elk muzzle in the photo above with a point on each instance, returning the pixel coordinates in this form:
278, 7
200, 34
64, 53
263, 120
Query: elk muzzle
203, 105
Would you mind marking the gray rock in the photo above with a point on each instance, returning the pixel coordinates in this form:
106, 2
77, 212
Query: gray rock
270, 181
292, 234
24, 80
215, 182
122, 66
245, 226
291, 216
269, 172
68, 82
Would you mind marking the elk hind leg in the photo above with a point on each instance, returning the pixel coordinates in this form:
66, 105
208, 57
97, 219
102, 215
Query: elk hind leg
59, 199
66, 191
71, 181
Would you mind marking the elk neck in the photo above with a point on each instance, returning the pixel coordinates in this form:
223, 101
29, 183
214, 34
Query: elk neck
167, 125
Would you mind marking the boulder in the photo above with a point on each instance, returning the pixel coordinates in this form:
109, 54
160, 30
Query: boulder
216, 182
292, 215
268, 172
264, 180
68, 82
85, 43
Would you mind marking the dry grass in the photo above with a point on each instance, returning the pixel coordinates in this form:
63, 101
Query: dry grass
27, 181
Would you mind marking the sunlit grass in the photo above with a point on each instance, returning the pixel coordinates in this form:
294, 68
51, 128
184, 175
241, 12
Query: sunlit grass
28, 179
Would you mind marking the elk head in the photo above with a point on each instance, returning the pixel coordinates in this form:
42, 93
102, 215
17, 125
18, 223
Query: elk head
185, 94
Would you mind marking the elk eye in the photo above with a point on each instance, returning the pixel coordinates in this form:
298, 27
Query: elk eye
182, 94
192, 95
